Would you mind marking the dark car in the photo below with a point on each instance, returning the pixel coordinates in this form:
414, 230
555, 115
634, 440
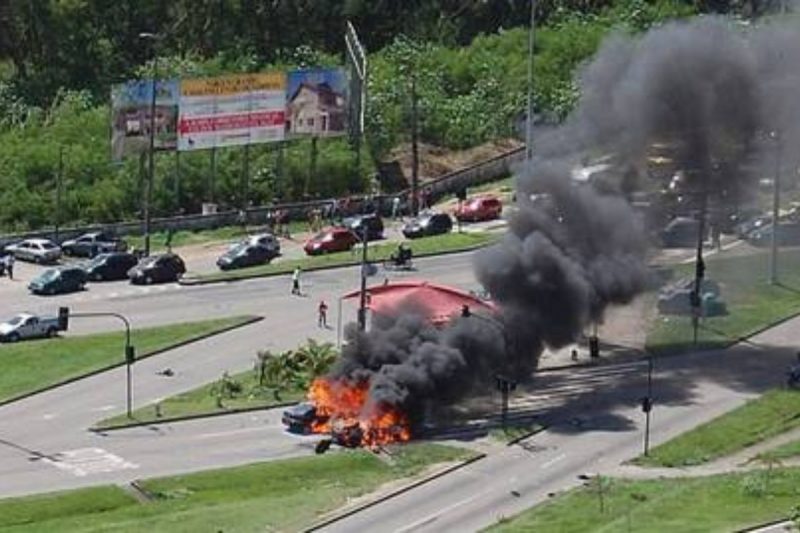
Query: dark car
244, 255
299, 418
331, 240
746, 227
428, 224
58, 281
110, 266
91, 244
157, 269
372, 223
788, 234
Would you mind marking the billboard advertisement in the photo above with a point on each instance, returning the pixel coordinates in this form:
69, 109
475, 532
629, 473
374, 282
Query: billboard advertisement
130, 121
316, 102
231, 110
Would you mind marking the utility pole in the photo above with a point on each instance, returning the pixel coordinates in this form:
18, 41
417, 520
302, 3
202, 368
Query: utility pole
414, 147
647, 404
695, 298
776, 187
148, 185
529, 123
362, 306
59, 185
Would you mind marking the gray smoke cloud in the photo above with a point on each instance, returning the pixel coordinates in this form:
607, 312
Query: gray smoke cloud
708, 90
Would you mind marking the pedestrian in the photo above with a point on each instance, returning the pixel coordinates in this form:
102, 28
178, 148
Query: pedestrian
395, 207
296, 281
10, 266
322, 314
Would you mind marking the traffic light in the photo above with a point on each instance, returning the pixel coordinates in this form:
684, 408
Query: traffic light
63, 318
647, 404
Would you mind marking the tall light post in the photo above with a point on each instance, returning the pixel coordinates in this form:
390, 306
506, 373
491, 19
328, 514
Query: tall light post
148, 184
59, 182
529, 124
776, 187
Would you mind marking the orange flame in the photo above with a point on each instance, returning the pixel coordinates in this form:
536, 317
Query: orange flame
344, 410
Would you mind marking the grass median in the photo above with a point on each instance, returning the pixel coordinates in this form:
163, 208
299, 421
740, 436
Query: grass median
451, 242
205, 400
285, 495
31, 366
775, 412
753, 303
728, 502
181, 238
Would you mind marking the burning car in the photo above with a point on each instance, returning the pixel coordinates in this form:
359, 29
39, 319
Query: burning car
300, 418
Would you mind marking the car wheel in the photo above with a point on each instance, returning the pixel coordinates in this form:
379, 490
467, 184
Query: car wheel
148, 280
14, 337
51, 332
97, 277
51, 291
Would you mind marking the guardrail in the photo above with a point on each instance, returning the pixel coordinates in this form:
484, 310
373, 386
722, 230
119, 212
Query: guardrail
477, 174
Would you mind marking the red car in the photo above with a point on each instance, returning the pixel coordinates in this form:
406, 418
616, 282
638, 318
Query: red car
331, 240
480, 208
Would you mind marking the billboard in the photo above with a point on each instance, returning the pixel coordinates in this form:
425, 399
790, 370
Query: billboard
130, 120
316, 102
231, 110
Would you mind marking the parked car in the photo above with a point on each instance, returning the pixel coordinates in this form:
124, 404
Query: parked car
746, 227
788, 234
681, 232
331, 240
479, 209
267, 240
91, 244
372, 222
59, 281
244, 255
110, 266
675, 299
28, 326
36, 250
157, 269
428, 224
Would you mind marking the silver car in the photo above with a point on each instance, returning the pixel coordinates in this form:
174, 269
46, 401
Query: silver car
36, 250
267, 240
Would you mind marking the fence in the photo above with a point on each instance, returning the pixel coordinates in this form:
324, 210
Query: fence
477, 174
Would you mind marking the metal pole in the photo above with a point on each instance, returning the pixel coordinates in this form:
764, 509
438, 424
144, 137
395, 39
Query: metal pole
312, 165
650, 400
212, 176
148, 190
59, 184
529, 124
339, 325
696, 302
128, 364
245, 176
414, 148
177, 182
362, 306
773, 256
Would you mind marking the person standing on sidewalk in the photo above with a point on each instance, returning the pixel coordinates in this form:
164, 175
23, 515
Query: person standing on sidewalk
322, 314
296, 281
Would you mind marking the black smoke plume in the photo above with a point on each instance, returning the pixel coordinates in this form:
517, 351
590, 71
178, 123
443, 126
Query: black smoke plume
706, 89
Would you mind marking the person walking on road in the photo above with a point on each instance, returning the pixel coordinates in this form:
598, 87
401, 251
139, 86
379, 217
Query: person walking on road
322, 314
10, 266
296, 281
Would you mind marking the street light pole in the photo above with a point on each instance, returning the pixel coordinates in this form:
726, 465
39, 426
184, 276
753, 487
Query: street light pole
148, 185
773, 256
59, 181
529, 123
647, 404
362, 306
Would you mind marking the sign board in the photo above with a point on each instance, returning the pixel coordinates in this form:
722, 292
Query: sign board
130, 117
231, 110
316, 102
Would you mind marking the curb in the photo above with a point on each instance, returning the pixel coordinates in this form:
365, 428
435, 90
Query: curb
196, 282
187, 418
246, 322
517, 440
393, 494
777, 522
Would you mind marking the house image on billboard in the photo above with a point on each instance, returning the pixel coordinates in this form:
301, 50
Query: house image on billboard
315, 109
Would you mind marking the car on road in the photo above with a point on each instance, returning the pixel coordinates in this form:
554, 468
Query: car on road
372, 222
41, 251
788, 234
267, 240
161, 268
110, 266
59, 280
479, 209
428, 224
245, 255
91, 244
28, 326
331, 240
300, 418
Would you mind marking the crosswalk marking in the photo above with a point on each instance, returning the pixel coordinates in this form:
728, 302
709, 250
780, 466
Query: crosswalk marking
87, 461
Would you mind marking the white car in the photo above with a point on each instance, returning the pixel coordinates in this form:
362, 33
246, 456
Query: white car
266, 240
28, 326
36, 250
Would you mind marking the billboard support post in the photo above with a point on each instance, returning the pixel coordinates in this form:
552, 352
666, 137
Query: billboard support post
357, 58
245, 176
212, 174
177, 182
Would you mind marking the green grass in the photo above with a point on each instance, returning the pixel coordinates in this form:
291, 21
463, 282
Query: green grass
285, 495
377, 252
716, 503
752, 302
32, 365
158, 239
775, 412
203, 400
515, 431
789, 450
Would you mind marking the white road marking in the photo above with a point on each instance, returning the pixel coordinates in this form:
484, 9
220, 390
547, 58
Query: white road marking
232, 432
48, 416
553, 461
103, 408
87, 461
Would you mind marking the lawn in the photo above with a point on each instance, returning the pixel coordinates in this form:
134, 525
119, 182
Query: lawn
716, 503
789, 450
775, 412
515, 430
752, 302
377, 252
158, 240
203, 400
33, 365
285, 495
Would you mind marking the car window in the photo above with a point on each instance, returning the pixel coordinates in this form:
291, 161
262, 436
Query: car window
47, 245
16, 320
